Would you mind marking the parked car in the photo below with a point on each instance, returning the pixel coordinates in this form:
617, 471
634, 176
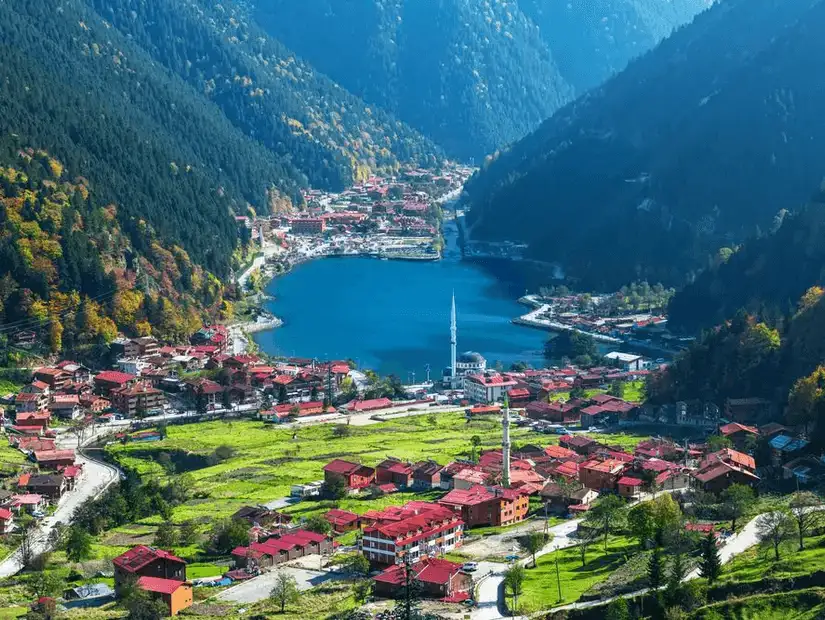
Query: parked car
469, 567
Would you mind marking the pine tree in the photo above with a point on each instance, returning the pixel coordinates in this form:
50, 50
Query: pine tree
655, 569
710, 566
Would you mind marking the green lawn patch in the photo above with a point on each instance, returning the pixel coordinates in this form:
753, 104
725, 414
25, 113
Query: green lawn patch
201, 570
757, 564
541, 587
268, 460
798, 605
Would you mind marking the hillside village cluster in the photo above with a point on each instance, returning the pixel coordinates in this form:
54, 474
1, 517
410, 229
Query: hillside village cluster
147, 379
385, 217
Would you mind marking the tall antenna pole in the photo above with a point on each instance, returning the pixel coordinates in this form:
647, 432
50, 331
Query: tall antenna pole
453, 344
505, 443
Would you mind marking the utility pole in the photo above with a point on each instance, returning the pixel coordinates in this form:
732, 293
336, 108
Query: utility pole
558, 576
329, 384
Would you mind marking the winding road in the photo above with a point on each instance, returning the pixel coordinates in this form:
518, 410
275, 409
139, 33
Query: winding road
96, 478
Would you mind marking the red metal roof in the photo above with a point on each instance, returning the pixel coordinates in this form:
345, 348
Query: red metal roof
138, 557
628, 481
161, 586
339, 466
113, 376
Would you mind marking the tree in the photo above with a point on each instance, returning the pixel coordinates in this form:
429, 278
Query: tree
357, 564
718, 442
475, 442
667, 517
618, 610
573, 345
587, 536
27, 536
806, 400
533, 543
143, 606
78, 544
162, 430
282, 395
710, 564
317, 524
362, 588
805, 509
737, 500
44, 583
642, 523
229, 534
617, 389
514, 582
166, 536
335, 488
341, 430
606, 514
655, 569
676, 574
188, 533
285, 591
773, 529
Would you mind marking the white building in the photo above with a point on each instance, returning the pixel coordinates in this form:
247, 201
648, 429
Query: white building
486, 387
132, 365
627, 361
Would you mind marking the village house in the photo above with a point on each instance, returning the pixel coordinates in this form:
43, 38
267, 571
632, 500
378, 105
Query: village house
131, 400
36, 387
629, 487
748, 410
27, 502
342, 520
66, 406
739, 434
109, 380
487, 506
282, 548
55, 459
50, 486
143, 561
488, 387
176, 595
26, 402
35, 422
426, 476
579, 444
435, 578
362, 406
124, 348
394, 471
559, 498
601, 475
6, 521
354, 475
55, 378
469, 477
785, 447
262, 516
413, 530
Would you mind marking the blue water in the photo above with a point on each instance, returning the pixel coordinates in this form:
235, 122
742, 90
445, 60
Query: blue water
394, 316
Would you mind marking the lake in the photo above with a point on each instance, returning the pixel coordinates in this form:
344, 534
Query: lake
394, 316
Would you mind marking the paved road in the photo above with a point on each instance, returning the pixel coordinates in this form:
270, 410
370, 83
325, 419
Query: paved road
490, 591
96, 477
258, 588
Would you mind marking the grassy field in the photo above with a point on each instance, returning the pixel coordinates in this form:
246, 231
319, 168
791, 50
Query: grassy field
799, 605
541, 586
267, 460
757, 564
7, 387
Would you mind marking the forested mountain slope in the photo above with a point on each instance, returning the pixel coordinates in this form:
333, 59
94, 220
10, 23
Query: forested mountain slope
688, 149
182, 149
472, 75
766, 275
69, 273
